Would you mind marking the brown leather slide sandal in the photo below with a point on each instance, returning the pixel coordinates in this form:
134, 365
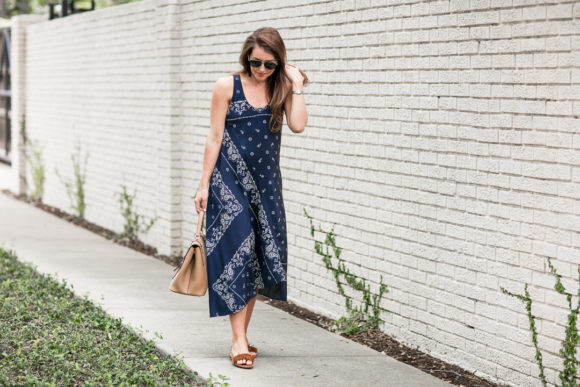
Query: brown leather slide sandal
242, 356
251, 348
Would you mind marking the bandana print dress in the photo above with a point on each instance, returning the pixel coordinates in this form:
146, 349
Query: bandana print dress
245, 221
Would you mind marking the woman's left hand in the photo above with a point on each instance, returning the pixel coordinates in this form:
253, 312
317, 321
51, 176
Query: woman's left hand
294, 74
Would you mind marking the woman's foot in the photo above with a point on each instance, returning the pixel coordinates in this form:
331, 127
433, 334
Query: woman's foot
243, 361
252, 350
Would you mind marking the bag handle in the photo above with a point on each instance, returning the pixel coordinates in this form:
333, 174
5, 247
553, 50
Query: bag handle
199, 222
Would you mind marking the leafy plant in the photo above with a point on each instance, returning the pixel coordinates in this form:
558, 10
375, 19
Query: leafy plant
134, 223
359, 319
33, 155
568, 349
52, 337
76, 194
219, 381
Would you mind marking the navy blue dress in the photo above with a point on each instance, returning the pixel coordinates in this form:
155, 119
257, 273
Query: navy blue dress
245, 221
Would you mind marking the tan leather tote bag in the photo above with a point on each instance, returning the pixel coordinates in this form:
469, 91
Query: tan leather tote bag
191, 275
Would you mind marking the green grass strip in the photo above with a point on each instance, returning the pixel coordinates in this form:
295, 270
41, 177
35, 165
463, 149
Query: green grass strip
50, 337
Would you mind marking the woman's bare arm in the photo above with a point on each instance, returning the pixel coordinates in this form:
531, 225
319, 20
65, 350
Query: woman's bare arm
295, 105
296, 115
219, 105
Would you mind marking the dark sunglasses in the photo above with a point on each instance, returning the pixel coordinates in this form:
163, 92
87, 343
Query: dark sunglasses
257, 63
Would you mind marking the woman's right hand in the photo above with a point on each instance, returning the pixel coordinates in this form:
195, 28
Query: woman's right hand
201, 200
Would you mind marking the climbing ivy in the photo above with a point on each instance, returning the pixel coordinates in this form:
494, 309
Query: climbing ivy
33, 154
76, 189
134, 223
358, 319
568, 349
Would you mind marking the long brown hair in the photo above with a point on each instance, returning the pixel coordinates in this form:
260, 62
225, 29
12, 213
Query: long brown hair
279, 84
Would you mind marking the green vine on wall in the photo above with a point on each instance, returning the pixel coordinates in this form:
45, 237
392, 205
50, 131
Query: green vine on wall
359, 319
33, 155
568, 349
76, 194
134, 223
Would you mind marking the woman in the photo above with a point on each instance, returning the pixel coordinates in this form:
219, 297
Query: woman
241, 184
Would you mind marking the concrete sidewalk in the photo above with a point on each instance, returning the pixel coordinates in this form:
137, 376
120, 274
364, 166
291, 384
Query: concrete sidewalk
135, 287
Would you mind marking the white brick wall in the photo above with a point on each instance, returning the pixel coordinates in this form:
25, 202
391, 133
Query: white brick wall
17, 73
443, 140
108, 79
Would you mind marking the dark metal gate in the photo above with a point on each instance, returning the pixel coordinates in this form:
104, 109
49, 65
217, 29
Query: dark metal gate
5, 96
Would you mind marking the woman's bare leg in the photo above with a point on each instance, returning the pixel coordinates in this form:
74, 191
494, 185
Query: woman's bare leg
249, 310
239, 341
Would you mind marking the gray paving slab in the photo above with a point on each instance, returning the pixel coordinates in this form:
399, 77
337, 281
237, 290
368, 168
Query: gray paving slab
135, 287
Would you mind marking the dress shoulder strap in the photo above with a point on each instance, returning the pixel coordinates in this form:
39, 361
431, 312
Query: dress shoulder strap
237, 88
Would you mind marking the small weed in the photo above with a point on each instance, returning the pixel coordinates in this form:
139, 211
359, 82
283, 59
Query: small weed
219, 381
